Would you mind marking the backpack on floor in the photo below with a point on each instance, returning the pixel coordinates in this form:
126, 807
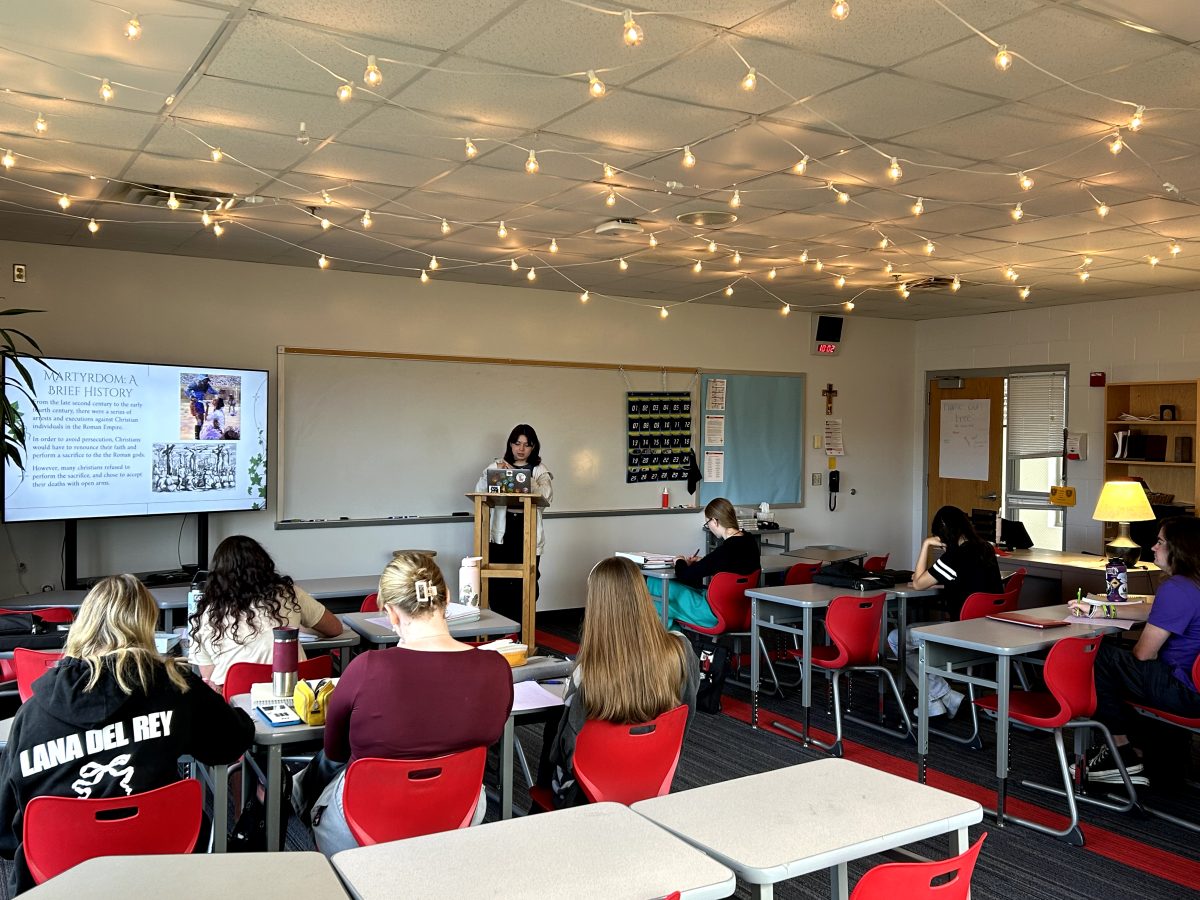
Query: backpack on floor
714, 669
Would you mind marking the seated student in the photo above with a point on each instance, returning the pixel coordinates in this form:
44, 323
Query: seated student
244, 599
967, 566
630, 669
428, 696
1158, 670
737, 553
111, 677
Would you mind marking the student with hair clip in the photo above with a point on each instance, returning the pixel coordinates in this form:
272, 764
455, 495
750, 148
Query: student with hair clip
966, 566
111, 682
629, 670
738, 553
244, 599
428, 696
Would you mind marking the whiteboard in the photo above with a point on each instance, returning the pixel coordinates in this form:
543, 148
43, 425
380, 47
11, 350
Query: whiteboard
371, 437
964, 439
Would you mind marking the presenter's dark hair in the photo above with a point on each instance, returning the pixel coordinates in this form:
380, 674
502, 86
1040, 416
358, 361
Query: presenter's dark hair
1182, 536
243, 586
527, 432
952, 526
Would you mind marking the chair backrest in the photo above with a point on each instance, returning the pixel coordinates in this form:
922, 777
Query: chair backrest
628, 763
979, 605
393, 799
1069, 677
30, 665
1015, 582
801, 573
370, 604
54, 615
853, 625
61, 832
913, 881
241, 675
876, 563
727, 598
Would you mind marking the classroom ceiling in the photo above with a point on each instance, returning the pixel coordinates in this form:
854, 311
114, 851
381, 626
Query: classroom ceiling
473, 94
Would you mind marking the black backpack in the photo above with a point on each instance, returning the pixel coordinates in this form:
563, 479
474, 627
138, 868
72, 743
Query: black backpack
714, 669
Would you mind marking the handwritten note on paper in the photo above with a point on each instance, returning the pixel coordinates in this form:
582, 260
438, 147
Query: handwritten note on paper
716, 394
714, 466
714, 431
834, 445
964, 439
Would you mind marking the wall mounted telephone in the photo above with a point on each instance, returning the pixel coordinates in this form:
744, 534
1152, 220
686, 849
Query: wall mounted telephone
835, 485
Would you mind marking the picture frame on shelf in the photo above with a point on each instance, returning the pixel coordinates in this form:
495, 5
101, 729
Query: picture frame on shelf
1166, 412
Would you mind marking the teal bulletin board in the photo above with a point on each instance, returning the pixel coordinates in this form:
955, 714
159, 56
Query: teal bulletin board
763, 437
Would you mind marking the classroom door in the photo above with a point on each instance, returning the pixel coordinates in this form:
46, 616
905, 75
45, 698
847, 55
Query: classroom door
967, 494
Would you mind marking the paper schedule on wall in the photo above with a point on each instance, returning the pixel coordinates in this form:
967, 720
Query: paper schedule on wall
714, 397
714, 466
834, 445
964, 439
714, 431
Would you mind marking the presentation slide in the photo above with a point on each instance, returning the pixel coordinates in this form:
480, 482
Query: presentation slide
130, 439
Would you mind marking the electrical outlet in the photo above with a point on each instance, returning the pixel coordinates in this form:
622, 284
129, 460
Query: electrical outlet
816, 479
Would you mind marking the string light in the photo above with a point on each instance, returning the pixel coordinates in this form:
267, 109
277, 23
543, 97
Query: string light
445, 227
697, 267
787, 310
302, 135
344, 91
929, 248
689, 158
40, 125
1085, 275
804, 257
513, 265
750, 80
1025, 181
737, 259
729, 290
653, 242
1102, 209
326, 199
502, 232
92, 226
64, 201
1003, 59
771, 275
366, 219
884, 242
843, 198
712, 246
216, 154
218, 230
840, 10
133, 28
1116, 145
736, 200
1011, 274
802, 166
595, 86
1138, 117
888, 268
433, 263
1017, 213
8, 160
662, 312
172, 201
471, 150
1153, 260
1175, 248
848, 305
424, 277
372, 76
323, 262
818, 265
106, 91
325, 224
609, 171
904, 292
918, 207
1087, 260
841, 281
585, 297
205, 218
631, 31
610, 199
532, 274
894, 171
955, 284
622, 265
553, 245
1024, 293
531, 164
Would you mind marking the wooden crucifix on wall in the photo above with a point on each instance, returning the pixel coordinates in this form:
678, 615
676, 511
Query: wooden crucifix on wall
829, 393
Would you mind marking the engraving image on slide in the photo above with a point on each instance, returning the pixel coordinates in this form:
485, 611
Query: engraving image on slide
194, 467
210, 407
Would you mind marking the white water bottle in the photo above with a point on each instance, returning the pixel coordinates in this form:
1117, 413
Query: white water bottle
468, 581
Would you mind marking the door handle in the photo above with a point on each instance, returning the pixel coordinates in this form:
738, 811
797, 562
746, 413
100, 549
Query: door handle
992, 496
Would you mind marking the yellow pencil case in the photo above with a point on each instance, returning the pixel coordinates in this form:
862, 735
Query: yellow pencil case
311, 699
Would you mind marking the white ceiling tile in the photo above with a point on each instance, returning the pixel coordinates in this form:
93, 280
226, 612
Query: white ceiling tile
650, 125
1007, 136
346, 163
1167, 16
183, 173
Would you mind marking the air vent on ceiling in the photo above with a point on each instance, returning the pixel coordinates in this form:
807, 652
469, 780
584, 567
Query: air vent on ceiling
619, 226
708, 218
928, 283
157, 195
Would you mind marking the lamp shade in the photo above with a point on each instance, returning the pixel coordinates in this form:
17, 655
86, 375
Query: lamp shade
1123, 501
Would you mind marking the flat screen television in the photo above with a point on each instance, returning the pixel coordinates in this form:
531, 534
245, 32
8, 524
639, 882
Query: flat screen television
132, 439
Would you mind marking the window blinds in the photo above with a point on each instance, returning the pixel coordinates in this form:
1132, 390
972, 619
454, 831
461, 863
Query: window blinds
1037, 414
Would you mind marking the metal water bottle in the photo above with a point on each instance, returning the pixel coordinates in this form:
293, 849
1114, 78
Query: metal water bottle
468, 581
1117, 577
285, 661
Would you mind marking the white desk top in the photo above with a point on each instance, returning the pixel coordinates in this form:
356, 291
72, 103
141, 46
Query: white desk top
826, 553
792, 821
817, 596
488, 623
1007, 638
602, 850
198, 876
266, 734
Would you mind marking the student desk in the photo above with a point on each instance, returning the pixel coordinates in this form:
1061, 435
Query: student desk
948, 647
827, 553
375, 636
817, 815
759, 534
594, 852
198, 876
770, 565
1054, 576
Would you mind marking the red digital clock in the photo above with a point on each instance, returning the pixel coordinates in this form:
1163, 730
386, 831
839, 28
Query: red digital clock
827, 349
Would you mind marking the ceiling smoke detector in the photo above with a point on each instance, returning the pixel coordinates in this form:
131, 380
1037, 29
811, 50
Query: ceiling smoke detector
708, 218
620, 226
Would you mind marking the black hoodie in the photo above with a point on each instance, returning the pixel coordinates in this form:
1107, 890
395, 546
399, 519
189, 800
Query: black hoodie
68, 742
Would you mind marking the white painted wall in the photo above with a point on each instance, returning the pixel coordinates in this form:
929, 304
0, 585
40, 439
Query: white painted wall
152, 308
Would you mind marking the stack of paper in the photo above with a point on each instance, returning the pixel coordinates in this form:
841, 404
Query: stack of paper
461, 612
643, 558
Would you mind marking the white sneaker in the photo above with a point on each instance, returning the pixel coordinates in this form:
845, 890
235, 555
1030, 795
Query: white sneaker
952, 700
936, 708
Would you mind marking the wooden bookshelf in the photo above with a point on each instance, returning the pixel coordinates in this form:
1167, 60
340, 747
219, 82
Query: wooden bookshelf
1145, 398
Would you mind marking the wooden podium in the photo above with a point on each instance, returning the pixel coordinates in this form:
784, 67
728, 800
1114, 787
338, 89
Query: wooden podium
526, 570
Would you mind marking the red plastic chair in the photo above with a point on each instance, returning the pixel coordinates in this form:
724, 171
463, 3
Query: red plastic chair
727, 598
876, 563
30, 665
1068, 702
801, 573
914, 881
394, 799
625, 763
1189, 723
370, 604
241, 675
1016, 581
54, 615
61, 832
852, 624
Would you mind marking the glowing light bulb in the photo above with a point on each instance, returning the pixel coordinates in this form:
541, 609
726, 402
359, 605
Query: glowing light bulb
749, 80
1011, 274
801, 166
904, 292
531, 275
323, 262
697, 267
929, 248
804, 257
918, 207
848, 305
106, 91
884, 242
1087, 260
737, 259
585, 297
366, 219
372, 75
595, 86
424, 277
653, 242
841, 281
840, 10
843, 198
326, 224
553, 245
1102, 209
1024, 181
1003, 59
326, 199
689, 158
1017, 213
1116, 145
736, 200
205, 219
531, 164
92, 226
888, 268
501, 232
1153, 260
344, 91
729, 290
218, 230
955, 284
771, 275
445, 227
610, 199
513, 265
8, 159
787, 310
133, 29
302, 137
631, 31
1175, 248
172, 201
712, 246
622, 265
64, 201
40, 125
216, 154
1085, 275
662, 312
818, 265
433, 263
1135, 122
1024, 293
471, 150
609, 171
894, 171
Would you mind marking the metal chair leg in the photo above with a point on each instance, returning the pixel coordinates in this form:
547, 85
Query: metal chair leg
1130, 801
1071, 834
520, 751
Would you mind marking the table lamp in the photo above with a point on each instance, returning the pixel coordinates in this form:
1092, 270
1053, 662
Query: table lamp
1123, 502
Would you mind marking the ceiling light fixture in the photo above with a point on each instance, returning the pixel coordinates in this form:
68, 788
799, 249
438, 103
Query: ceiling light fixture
595, 86
92, 226
502, 232
471, 150
884, 242
40, 125
172, 201
1024, 293
1153, 260
1085, 275
631, 31
1116, 145
840, 10
929, 248
1003, 59
531, 275
513, 265
366, 219
804, 257
843, 198
531, 164
787, 310
8, 160
1024, 181
662, 312
106, 91
218, 230
801, 166
818, 265
918, 207
325, 224
749, 80
64, 201
302, 135
712, 246
653, 242
609, 171
736, 200
345, 91
1102, 209
841, 281
689, 159
772, 275
133, 28
622, 265
1017, 213
610, 199
955, 284
433, 263
553, 245
697, 267
729, 290
216, 154
1175, 248
323, 262
1139, 116
205, 218
894, 171
737, 259
585, 297
848, 305
445, 228
424, 277
372, 76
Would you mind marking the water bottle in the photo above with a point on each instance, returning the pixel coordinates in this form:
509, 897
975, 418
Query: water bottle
1118, 580
285, 661
468, 581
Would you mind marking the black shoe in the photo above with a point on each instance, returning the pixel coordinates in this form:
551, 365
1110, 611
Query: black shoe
1102, 768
